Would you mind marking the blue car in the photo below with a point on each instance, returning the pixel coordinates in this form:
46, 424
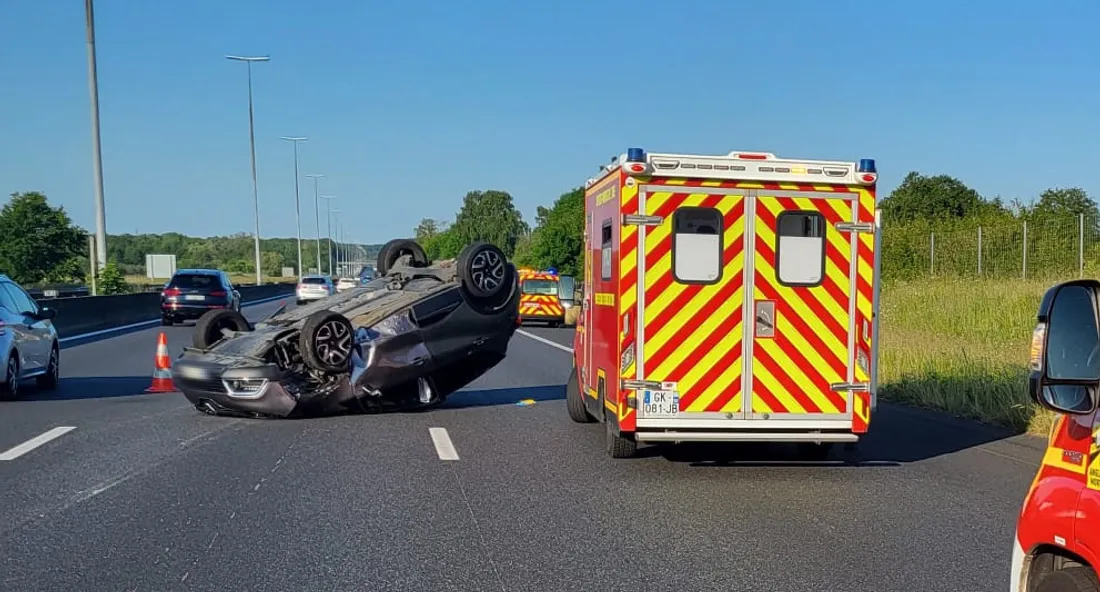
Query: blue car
366, 275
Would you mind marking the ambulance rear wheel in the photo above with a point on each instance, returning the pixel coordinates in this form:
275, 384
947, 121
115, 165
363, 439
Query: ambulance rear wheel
1074, 579
574, 400
617, 444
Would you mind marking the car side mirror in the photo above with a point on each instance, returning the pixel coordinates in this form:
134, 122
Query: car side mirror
567, 294
1064, 362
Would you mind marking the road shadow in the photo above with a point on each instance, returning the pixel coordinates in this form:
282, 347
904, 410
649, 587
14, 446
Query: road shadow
473, 398
88, 387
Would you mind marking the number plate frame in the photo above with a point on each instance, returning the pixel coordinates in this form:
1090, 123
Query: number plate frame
659, 404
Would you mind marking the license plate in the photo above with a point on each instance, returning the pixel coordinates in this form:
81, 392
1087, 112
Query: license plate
189, 372
660, 404
194, 297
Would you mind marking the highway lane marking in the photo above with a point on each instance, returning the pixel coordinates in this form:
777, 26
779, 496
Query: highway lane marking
443, 445
35, 442
154, 322
563, 348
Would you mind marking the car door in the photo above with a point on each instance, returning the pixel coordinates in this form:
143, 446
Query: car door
32, 333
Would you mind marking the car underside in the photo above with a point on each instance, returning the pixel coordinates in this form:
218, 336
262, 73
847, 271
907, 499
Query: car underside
407, 339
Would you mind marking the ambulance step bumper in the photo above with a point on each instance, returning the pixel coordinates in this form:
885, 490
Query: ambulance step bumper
746, 436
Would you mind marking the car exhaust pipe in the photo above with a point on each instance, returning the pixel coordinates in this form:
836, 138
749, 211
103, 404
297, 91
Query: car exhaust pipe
207, 407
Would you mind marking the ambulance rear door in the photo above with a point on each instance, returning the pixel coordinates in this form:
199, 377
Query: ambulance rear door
802, 341
691, 299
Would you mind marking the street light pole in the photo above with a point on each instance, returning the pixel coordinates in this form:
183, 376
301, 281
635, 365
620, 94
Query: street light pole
317, 218
328, 217
297, 200
252, 146
97, 158
337, 235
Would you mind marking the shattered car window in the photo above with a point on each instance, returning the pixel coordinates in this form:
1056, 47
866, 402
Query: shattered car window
548, 287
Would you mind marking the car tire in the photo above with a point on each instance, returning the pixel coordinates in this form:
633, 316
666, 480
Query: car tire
166, 321
1073, 579
327, 341
574, 400
208, 329
484, 270
395, 249
9, 389
52, 377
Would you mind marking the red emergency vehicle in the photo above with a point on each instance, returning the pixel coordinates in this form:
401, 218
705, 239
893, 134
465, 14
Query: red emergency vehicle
728, 297
540, 297
1057, 542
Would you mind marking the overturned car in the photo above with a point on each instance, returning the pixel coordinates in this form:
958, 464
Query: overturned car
408, 338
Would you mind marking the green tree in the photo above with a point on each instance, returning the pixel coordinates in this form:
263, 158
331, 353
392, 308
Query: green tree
489, 216
1058, 203
38, 241
939, 197
427, 229
111, 280
559, 237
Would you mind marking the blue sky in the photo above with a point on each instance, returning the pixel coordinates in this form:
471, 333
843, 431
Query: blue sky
408, 105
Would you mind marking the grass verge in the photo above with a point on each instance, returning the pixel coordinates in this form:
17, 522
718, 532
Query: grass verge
960, 346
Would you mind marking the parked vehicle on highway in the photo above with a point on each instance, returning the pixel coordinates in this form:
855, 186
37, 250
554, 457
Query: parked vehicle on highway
1057, 542
728, 298
346, 283
192, 292
366, 274
540, 297
28, 340
314, 287
407, 339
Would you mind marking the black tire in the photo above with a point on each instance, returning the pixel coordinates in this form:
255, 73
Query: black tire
166, 321
1073, 579
397, 248
9, 389
52, 377
574, 400
327, 341
208, 329
484, 270
617, 445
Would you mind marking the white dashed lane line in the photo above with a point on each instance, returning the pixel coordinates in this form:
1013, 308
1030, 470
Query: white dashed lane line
554, 344
443, 445
35, 442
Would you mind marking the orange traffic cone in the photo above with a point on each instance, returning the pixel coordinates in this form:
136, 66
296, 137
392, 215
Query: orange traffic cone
162, 371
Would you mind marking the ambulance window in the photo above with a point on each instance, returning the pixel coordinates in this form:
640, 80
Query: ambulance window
800, 248
697, 245
605, 250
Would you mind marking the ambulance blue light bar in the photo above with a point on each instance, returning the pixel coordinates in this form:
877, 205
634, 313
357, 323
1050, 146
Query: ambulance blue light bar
866, 165
635, 155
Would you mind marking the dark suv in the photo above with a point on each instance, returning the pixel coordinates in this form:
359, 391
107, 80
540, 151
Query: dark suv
192, 292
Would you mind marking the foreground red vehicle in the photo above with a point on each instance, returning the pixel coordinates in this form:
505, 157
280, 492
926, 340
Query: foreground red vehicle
1058, 532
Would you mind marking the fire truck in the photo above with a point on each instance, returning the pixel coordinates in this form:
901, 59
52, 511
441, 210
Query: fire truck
728, 298
540, 297
1057, 542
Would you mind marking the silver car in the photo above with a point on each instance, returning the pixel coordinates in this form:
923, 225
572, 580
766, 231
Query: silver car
28, 340
315, 287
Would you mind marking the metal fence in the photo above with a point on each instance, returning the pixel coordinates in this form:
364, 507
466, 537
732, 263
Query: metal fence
1037, 249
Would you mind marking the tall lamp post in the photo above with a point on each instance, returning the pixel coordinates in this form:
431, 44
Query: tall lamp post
297, 200
248, 60
328, 216
97, 159
317, 218
337, 240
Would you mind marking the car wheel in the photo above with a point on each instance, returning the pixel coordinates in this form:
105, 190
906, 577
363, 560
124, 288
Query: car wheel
327, 341
397, 248
52, 377
1073, 579
208, 329
166, 320
574, 400
9, 390
483, 270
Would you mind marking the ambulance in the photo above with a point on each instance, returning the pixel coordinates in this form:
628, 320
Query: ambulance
1057, 539
540, 297
728, 297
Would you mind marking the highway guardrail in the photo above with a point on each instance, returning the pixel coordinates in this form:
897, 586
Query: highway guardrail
86, 314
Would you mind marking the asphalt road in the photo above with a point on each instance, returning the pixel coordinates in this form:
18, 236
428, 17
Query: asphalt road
147, 494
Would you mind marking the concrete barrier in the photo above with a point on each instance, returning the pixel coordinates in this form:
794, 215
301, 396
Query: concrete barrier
85, 314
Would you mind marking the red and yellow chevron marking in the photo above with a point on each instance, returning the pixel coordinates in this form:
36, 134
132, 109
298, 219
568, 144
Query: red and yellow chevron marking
693, 332
865, 267
628, 301
792, 372
540, 305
